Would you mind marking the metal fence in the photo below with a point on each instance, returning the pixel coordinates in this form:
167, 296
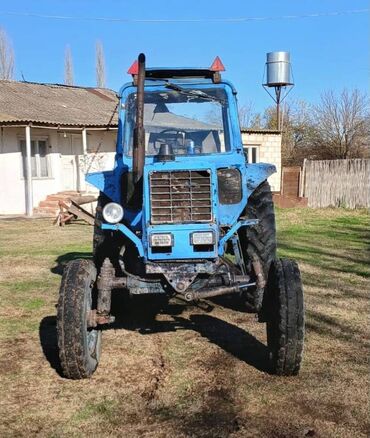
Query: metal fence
337, 183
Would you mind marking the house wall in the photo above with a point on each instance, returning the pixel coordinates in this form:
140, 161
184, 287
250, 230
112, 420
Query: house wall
100, 156
269, 151
100, 147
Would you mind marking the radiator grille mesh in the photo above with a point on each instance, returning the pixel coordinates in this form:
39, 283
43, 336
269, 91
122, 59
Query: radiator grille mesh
180, 196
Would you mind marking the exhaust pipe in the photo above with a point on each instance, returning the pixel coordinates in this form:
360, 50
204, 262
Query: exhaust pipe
139, 133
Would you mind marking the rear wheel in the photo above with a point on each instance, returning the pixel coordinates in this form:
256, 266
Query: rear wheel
284, 307
79, 346
260, 240
258, 243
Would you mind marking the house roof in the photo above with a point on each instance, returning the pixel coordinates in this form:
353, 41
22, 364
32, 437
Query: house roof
65, 105
55, 104
166, 119
260, 131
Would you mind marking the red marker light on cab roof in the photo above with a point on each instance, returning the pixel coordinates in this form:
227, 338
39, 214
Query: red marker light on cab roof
217, 65
134, 69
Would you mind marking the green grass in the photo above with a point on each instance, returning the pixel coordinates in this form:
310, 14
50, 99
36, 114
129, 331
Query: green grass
32, 256
208, 382
339, 242
106, 409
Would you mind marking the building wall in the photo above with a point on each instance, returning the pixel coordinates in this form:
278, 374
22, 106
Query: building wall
101, 150
269, 151
100, 147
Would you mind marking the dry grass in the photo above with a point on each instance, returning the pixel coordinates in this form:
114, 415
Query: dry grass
191, 372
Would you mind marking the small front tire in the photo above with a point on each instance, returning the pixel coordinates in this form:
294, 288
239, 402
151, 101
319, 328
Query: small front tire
284, 310
79, 346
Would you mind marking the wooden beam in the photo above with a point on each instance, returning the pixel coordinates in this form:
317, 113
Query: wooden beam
73, 209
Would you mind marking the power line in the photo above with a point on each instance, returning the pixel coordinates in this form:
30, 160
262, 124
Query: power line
186, 20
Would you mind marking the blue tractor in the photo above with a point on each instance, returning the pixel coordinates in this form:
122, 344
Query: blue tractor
184, 214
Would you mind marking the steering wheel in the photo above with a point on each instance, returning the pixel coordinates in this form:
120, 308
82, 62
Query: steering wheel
169, 134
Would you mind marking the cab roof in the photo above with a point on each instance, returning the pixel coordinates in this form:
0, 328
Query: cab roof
179, 72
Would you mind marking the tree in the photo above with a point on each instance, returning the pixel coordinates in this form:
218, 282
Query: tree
341, 123
6, 57
296, 130
337, 127
248, 118
100, 65
245, 114
68, 66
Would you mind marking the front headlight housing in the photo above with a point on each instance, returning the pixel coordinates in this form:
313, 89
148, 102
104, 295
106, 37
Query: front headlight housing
113, 213
229, 186
203, 238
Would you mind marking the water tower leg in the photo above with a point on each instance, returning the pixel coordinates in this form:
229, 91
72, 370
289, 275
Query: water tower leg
278, 94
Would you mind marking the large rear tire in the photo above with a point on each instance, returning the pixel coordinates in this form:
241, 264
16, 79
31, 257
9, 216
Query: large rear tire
79, 346
260, 240
258, 243
284, 309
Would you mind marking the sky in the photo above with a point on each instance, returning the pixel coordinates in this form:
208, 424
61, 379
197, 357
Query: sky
327, 52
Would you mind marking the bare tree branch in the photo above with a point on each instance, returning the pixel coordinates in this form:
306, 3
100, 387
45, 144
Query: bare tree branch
247, 117
246, 114
68, 66
337, 127
100, 65
6, 57
341, 124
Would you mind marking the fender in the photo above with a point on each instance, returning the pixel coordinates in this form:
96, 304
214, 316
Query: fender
107, 182
256, 174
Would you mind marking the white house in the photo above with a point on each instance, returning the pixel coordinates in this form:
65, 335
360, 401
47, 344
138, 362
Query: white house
264, 145
51, 135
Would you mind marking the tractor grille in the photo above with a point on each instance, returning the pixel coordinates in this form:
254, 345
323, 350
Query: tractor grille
180, 196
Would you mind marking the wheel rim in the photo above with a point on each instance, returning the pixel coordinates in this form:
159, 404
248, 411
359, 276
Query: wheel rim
92, 335
92, 341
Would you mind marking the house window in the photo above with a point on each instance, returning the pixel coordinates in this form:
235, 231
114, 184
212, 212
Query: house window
39, 158
251, 153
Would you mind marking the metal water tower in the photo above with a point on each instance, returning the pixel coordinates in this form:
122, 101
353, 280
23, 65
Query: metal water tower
278, 75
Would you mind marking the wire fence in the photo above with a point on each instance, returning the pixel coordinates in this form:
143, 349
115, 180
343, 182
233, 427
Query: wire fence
337, 183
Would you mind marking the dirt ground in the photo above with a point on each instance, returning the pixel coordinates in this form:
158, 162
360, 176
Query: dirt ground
192, 371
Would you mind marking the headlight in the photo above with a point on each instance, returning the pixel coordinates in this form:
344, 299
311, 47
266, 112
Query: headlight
164, 239
113, 213
203, 238
229, 186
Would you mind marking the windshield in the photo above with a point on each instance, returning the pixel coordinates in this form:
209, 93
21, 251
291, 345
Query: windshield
191, 121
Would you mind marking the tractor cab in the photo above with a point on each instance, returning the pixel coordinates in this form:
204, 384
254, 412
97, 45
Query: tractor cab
180, 154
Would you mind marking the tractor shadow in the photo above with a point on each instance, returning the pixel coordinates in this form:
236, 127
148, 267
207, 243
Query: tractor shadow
49, 342
231, 338
140, 317
63, 259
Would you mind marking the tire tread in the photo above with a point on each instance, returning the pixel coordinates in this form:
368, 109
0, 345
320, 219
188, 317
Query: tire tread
286, 283
70, 326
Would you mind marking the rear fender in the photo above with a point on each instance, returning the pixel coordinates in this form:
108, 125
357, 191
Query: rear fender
256, 174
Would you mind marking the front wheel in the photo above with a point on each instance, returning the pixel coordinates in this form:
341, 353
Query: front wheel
79, 346
284, 310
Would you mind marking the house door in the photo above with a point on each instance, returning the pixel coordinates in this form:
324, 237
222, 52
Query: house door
68, 173
71, 149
